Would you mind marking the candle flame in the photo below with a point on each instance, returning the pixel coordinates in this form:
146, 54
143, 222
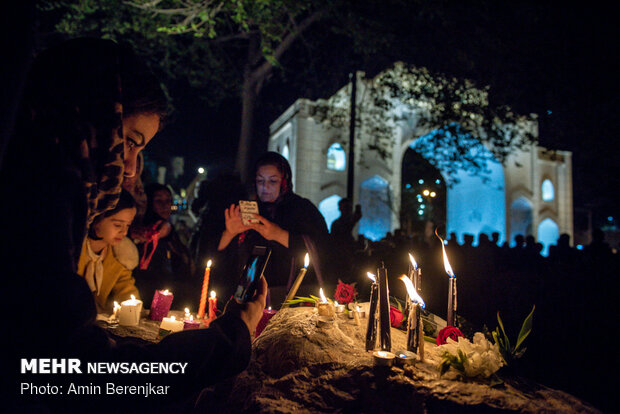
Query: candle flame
269, 308
133, 297
213, 294
372, 277
209, 263
172, 318
382, 354
336, 303
306, 261
323, 298
413, 262
165, 292
357, 308
187, 311
413, 295
191, 318
116, 306
446, 263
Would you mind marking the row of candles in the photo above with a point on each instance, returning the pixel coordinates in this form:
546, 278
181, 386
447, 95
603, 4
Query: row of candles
128, 312
379, 312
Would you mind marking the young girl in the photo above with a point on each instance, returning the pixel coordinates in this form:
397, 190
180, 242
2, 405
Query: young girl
105, 275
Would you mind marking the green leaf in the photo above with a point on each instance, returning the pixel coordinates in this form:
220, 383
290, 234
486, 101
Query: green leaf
526, 328
506, 339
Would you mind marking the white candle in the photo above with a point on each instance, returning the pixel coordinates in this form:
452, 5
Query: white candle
324, 307
171, 324
129, 313
383, 358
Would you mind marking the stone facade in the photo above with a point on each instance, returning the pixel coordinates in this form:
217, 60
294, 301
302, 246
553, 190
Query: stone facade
511, 203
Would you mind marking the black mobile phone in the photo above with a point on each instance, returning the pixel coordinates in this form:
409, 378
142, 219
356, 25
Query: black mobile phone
252, 272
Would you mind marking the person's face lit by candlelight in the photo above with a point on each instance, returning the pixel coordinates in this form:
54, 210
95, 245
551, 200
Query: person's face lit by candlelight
138, 131
268, 182
112, 229
162, 204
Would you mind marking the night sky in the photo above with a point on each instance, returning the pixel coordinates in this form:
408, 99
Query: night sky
556, 60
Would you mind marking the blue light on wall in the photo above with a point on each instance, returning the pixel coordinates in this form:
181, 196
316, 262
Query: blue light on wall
374, 198
520, 218
336, 158
285, 151
474, 203
329, 209
548, 234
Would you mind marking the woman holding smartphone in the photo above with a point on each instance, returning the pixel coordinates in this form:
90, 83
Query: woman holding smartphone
287, 223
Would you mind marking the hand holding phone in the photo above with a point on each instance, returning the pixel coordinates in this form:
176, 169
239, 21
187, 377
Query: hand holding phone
247, 209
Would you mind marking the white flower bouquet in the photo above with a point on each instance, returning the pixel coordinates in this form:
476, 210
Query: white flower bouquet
478, 359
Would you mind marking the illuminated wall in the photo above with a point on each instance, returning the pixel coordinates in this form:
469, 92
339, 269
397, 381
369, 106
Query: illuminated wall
329, 209
376, 214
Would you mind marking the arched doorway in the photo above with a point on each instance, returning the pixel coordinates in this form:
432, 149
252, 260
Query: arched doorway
423, 194
475, 200
520, 218
329, 209
548, 233
376, 213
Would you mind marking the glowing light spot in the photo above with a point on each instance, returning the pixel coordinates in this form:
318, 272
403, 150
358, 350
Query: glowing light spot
336, 159
426, 192
420, 181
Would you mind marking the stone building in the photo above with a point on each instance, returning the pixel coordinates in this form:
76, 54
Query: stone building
531, 193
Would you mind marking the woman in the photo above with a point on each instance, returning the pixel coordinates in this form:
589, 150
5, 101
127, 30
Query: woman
98, 264
64, 165
289, 224
165, 261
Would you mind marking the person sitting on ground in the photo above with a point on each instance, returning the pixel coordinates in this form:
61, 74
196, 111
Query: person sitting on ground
107, 278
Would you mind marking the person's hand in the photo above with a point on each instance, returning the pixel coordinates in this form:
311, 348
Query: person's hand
252, 311
234, 224
269, 230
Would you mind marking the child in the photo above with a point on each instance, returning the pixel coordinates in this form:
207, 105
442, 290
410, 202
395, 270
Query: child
105, 275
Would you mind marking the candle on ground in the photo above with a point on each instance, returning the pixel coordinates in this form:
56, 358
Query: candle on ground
385, 332
339, 307
298, 280
190, 323
451, 287
371, 329
129, 313
117, 308
264, 320
212, 307
383, 358
169, 325
324, 307
205, 290
415, 328
160, 306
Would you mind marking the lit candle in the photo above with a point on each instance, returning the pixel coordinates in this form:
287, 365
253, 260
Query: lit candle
190, 323
404, 358
371, 330
415, 274
212, 307
451, 287
264, 320
114, 317
129, 313
324, 307
383, 358
415, 328
385, 333
356, 316
203, 293
187, 314
162, 300
169, 325
298, 280
339, 307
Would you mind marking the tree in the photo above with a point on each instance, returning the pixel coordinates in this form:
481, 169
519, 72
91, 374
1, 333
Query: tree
456, 114
207, 40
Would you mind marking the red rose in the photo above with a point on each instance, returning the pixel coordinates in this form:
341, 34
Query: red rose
449, 332
396, 317
345, 294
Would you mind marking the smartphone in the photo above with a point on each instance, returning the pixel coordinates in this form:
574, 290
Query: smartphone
247, 209
252, 272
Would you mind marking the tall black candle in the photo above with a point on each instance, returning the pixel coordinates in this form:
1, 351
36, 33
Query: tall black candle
385, 334
371, 329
